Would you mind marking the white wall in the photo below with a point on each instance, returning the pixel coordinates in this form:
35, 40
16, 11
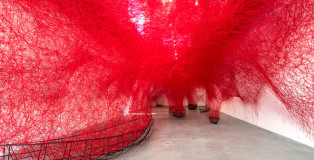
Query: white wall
272, 116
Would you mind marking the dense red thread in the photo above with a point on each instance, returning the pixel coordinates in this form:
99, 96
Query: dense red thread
79, 66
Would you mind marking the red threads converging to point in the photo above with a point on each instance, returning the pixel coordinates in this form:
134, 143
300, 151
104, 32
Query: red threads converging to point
76, 70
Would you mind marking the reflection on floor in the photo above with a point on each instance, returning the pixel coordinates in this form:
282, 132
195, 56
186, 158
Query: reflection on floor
195, 138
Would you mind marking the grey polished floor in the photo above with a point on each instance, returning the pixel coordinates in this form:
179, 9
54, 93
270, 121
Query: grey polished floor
194, 138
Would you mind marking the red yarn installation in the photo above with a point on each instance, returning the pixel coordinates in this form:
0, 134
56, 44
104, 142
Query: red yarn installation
93, 67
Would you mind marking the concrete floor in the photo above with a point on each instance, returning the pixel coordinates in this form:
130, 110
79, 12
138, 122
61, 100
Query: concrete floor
194, 138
